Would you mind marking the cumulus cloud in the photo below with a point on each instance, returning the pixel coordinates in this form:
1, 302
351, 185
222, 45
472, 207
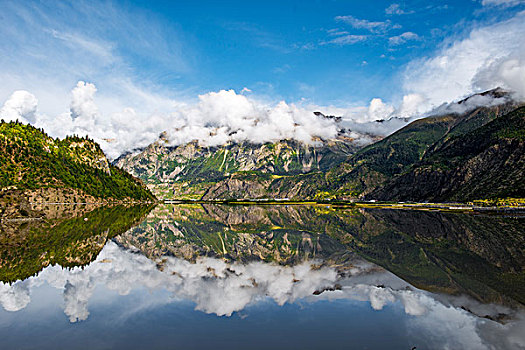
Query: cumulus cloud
225, 116
14, 297
217, 118
488, 57
117, 132
21, 105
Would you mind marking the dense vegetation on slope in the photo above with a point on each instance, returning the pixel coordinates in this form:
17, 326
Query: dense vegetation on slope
30, 159
373, 166
487, 162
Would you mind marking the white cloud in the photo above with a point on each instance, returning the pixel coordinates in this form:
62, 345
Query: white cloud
379, 110
412, 105
372, 26
217, 118
403, 38
222, 288
395, 9
227, 116
348, 39
15, 297
507, 72
45, 48
488, 57
21, 106
506, 3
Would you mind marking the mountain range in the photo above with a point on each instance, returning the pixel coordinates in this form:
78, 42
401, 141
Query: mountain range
464, 153
468, 151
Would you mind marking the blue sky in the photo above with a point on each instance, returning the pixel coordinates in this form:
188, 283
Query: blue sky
150, 57
329, 52
297, 49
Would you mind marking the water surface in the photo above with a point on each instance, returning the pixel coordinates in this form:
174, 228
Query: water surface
278, 277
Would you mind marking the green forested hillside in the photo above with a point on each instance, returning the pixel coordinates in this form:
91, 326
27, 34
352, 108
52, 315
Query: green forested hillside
485, 163
30, 159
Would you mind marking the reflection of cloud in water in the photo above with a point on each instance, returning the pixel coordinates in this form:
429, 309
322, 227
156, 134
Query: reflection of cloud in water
222, 288
16, 296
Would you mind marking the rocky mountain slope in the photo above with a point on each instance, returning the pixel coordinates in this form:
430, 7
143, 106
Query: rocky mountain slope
373, 171
190, 169
487, 162
37, 166
479, 134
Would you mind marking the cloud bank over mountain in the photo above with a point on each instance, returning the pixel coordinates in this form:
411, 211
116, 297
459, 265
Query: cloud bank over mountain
489, 56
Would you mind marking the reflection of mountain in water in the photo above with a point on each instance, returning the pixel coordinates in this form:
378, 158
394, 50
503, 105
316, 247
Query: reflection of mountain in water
444, 252
69, 236
225, 258
220, 287
482, 256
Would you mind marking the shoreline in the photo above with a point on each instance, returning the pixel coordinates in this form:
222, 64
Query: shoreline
449, 207
430, 207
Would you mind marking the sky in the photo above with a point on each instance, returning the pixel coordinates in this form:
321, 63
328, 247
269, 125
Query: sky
124, 71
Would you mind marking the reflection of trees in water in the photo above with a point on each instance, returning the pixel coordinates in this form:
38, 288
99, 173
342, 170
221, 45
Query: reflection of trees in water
72, 238
482, 256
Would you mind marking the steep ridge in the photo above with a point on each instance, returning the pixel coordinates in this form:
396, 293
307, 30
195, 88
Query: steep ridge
376, 164
485, 163
37, 166
372, 167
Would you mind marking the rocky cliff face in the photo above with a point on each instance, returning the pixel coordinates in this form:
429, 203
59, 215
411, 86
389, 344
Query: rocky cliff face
192, 164
371, 171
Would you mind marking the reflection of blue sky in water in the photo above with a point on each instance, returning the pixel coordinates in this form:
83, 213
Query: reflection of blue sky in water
125, 290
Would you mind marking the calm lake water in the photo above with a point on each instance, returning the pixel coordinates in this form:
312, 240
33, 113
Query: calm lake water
259, 277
